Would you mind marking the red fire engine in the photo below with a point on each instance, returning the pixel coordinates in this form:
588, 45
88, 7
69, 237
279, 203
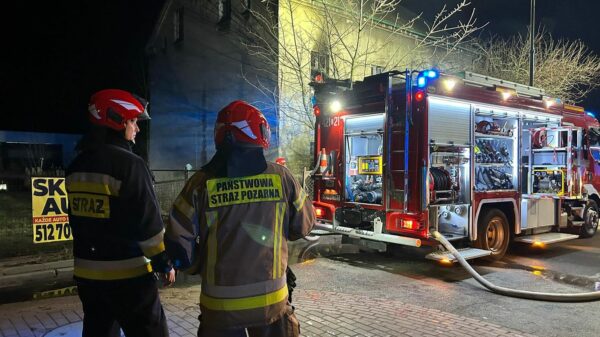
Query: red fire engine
481, 160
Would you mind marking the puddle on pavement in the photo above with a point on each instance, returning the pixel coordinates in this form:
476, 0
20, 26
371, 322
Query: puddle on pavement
547, 274
324, 246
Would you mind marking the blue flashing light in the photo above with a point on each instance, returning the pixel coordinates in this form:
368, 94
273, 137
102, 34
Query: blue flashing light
421, 82
313, 100
591, 114
431, 73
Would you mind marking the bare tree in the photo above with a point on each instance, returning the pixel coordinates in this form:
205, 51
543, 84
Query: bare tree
565, 69
352, 35
345, 39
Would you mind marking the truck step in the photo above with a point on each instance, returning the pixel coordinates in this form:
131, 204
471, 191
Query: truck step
466, 253
546, 238
320, 232
577, 222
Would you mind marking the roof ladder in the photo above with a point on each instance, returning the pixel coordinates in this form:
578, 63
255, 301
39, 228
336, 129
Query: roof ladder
492, 82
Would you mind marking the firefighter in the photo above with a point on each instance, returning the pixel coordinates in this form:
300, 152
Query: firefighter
246, 209
281, 161
116, 222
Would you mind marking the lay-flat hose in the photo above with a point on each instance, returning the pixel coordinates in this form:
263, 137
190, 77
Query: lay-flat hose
580, 297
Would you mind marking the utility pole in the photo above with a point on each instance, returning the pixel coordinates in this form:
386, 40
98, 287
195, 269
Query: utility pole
531, 41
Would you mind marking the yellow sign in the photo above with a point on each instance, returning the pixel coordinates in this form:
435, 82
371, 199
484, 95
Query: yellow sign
49, 210
55, 293
369, 165
233, 191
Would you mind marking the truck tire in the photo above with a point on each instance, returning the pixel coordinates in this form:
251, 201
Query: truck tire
493, 234
590, 218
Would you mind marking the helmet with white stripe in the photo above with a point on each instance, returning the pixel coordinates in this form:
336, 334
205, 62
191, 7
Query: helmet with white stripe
243, 123
113, 107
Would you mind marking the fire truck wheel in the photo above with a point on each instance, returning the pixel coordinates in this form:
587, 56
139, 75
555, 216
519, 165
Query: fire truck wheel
493, 234
590, 218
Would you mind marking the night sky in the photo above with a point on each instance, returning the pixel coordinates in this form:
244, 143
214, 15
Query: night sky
57, 53
570, 19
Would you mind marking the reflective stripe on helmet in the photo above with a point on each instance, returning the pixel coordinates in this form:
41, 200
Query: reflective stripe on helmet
245, 128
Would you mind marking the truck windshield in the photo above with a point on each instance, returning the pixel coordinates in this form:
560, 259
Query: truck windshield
363, 159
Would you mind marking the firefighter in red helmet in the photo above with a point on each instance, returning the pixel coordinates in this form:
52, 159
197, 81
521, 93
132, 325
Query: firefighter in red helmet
281, 161
232, 221
117, 227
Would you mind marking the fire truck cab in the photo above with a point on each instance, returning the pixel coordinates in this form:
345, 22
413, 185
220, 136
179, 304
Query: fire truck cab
481, 160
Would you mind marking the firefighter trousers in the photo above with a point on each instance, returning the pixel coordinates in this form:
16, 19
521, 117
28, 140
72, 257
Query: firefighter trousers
134, 305
287, 326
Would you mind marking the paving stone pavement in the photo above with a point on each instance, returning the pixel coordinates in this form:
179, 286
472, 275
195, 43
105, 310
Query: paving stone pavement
321, 314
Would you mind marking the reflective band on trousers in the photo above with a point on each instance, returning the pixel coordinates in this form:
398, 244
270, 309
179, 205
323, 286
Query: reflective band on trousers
246, 290
233, 304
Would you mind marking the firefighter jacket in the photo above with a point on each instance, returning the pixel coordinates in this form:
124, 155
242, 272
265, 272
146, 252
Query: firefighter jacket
242, 226
115, 217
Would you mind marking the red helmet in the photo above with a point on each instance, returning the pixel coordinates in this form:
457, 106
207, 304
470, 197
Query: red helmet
112, 107
245, 123
280, 160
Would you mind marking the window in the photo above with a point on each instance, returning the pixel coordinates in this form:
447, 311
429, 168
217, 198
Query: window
319, 62
375, 69
364, 159
178, 25
224, 10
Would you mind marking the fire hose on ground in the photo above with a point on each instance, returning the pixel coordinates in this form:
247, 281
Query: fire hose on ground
552, 297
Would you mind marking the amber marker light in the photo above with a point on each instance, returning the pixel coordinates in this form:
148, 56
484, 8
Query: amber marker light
319, 212
538, 244
446, 262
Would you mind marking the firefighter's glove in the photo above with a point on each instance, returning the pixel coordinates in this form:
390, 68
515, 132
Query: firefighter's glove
291, 282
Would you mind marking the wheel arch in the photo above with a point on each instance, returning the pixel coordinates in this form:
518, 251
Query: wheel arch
506, 206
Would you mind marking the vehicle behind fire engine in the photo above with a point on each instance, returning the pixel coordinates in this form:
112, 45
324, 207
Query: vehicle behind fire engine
481, 160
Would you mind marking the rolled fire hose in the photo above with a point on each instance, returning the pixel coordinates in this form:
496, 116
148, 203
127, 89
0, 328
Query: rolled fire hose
552, 297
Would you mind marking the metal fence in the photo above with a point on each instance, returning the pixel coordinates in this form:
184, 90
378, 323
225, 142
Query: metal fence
16, 229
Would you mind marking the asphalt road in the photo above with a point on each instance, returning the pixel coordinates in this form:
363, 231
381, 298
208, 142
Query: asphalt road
568, 267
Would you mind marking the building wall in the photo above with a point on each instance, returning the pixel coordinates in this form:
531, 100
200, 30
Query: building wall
301, 24
193, 77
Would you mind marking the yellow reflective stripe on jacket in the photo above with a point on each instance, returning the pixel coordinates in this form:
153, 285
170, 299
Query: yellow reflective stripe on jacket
233, 304
184, 207
212, 222
278, 238
93, 183
244, 290
299, 203
111, 270
154, 245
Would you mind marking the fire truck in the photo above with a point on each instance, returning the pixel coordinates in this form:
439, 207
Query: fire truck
481, 160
